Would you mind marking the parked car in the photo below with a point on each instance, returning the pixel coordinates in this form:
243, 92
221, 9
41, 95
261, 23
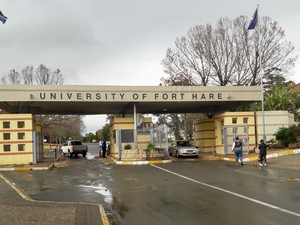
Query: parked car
180, 148
74, 147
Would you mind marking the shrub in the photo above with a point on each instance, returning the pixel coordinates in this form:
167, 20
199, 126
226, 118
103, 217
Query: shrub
288, 135
151, 146
294, 145
128, 146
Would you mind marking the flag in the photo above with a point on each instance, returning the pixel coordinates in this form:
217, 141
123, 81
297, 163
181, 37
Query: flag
254, 21
2, 18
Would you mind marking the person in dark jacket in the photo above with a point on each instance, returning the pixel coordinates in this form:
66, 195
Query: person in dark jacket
237, 148
262, 153
104, 149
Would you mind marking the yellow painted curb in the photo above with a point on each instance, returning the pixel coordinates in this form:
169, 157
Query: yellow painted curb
103, 215
22, 169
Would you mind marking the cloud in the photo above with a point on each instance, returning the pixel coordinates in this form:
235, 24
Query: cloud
117, 42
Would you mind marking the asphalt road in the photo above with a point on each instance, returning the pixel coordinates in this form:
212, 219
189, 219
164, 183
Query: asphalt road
189, 193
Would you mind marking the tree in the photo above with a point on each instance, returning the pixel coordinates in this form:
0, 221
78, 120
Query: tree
61, 127
282, 97
57, 127
172, 121
43, 75
89, 137
229, 54
103, 134
180, 125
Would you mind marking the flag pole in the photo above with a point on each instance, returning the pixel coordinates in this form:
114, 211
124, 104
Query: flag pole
261, 78
2, 17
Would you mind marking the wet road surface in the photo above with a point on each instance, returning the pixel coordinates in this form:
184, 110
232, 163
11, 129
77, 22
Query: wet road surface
201, 192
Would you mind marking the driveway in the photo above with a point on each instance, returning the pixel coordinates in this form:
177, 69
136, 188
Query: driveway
183, 192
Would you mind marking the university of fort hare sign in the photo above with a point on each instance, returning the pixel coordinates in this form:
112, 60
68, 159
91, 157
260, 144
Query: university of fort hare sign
92, 99
126, 96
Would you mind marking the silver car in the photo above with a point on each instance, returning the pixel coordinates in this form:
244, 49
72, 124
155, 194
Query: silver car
183, 148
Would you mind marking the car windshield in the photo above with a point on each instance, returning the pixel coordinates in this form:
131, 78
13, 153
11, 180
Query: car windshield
76, 143
183, 143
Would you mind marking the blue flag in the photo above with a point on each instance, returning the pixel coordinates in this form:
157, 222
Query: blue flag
2, 18
254, 21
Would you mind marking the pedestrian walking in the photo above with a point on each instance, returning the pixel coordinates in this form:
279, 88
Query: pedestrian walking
237, 148
262, 153
104, 147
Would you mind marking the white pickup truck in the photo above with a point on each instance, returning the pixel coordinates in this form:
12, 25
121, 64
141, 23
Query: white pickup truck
74, 147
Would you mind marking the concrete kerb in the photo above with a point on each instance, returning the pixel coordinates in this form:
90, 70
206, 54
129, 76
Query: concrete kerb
29, 167
3, 169
211, 157
139, 162
254, 158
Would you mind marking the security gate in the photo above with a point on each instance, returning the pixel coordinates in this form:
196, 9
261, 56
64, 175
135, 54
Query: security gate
38, 147
159, 137
229, 134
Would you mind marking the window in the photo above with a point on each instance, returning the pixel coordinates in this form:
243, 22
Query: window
6, 148
245, 120
76, 143
127, 136
21, 136
6, 136
21, 147
21, 124
6, 124
234, 120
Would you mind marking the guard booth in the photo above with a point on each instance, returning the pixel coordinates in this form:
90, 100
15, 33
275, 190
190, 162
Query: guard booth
21, 139
217, 134
123, 141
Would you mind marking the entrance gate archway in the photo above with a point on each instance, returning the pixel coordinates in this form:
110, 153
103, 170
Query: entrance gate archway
91, 100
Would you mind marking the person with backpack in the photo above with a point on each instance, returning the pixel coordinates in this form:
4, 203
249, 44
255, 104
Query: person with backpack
237, 148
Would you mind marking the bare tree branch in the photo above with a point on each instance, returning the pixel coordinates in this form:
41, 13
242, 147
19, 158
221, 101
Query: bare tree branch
228, 54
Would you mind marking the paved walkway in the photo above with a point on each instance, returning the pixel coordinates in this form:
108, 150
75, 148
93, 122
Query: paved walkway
251, 156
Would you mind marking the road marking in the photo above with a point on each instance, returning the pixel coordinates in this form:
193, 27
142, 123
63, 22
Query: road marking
230, 192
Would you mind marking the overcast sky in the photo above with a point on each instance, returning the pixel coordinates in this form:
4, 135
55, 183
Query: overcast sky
118, 42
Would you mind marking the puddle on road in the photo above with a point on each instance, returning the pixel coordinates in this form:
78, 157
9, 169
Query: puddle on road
100, 189
90, 156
